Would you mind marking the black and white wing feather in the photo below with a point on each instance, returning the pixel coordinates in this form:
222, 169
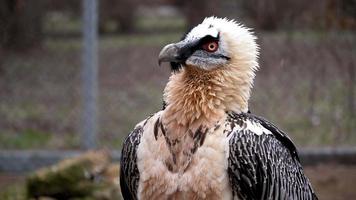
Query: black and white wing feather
263, 162
129, 174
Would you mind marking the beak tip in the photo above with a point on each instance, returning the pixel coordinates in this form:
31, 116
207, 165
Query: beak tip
167, 54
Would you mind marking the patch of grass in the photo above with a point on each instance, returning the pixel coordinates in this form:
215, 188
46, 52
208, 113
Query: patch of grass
117, 41
166, 23
28, 138
128, 112
63, 45
138, 40
14, 192
58, 22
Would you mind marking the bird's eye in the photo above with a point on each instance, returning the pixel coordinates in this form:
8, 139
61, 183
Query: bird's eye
211, 46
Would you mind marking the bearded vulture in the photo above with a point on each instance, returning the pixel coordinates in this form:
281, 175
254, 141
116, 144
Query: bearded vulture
204, 143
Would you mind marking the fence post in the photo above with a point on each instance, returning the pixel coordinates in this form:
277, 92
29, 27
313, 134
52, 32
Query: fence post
89, 74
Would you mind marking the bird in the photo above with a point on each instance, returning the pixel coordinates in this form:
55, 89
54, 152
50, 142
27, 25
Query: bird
204, 143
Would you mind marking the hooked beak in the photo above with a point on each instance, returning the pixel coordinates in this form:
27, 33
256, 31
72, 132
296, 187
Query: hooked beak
169, 53
176, 54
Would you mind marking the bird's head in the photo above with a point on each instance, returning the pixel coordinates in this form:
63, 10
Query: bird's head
213, 44
214, 66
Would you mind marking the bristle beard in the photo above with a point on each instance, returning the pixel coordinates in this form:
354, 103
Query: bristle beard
176, 67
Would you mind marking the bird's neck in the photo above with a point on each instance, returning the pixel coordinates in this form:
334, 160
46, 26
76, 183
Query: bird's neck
197, 98
196, 104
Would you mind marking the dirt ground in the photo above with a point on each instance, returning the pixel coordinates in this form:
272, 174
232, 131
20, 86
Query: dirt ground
9, 179
331, 182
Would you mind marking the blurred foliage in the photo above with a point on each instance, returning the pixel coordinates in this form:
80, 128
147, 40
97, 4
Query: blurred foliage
14, 192
27, 139
23, 24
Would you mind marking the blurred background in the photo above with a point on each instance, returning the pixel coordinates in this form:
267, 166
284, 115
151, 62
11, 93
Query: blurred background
306, 84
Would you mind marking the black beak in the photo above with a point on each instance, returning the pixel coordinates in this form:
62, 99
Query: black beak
178, 53
171, 53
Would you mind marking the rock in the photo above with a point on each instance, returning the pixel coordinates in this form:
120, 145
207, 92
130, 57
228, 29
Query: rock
90, 175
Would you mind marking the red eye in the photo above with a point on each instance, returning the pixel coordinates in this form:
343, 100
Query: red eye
211, 46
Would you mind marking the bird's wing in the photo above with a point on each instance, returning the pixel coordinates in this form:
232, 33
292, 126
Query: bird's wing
129, 174
263, 162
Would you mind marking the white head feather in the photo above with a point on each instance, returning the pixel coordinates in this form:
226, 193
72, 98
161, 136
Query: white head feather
235, 39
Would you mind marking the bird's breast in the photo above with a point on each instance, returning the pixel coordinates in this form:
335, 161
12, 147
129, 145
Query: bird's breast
185, 171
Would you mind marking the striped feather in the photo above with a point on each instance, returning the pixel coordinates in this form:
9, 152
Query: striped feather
263, 162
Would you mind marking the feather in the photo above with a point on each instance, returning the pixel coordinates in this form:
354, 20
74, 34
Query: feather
264, 165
